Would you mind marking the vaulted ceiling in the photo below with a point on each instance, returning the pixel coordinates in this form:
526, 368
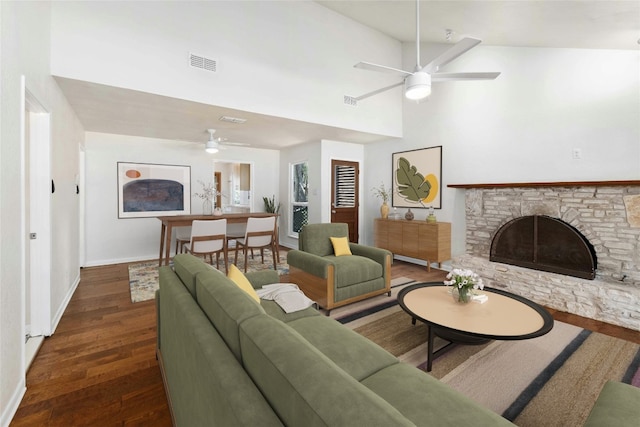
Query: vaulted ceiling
554, 24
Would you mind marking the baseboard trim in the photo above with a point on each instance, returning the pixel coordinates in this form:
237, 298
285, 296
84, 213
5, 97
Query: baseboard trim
444, 266
98, 263
14, 403
65, 303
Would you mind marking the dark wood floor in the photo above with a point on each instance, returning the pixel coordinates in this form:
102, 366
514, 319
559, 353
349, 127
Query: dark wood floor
99, 368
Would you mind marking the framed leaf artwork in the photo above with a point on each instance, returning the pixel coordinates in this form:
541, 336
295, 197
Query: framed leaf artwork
417, 178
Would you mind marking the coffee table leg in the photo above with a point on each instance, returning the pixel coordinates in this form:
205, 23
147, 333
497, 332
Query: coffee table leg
430, 348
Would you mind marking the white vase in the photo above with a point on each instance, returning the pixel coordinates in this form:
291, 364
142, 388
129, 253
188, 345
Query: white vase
207, 207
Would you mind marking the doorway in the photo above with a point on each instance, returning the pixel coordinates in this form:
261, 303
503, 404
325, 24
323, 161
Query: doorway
37, 187
234, 181
344, 195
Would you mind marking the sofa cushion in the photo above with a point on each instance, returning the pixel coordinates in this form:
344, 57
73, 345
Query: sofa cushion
348, 292
303, 386
187, 268
354, 269
355, 354
415, 394
274, 310
226, 306
314, 238
243, 283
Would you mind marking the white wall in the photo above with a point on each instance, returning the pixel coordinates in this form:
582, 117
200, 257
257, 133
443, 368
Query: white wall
113, 240
25, 50
296, 53
523, 126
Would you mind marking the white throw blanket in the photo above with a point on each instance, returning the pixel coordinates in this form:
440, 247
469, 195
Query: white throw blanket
287, 295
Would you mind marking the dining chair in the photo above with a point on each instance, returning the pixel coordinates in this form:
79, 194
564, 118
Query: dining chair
183, 235
260, 234
235, 231
207, 238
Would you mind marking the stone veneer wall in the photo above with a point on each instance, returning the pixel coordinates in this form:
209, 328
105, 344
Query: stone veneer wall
608, 216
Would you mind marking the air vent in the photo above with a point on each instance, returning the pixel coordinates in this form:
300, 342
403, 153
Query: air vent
350, 100
232, 119
197, 61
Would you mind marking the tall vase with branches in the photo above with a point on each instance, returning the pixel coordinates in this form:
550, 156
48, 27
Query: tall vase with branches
383, 193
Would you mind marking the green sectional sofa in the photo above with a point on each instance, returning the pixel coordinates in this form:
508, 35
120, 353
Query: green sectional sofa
229, 361
618, 405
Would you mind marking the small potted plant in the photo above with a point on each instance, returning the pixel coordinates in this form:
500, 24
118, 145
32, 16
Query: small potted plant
381, 192
270, 204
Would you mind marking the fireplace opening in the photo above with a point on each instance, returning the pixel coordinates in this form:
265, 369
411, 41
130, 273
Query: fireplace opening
544, 243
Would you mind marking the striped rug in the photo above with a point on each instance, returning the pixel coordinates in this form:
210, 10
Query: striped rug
551, 380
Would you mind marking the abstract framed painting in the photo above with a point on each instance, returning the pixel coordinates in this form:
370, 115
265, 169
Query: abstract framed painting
150, 190
417, 178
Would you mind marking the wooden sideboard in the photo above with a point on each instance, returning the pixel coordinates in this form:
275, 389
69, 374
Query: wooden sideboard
414, 239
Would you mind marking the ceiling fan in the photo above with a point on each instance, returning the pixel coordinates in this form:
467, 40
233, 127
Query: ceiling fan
417, 84
213, 145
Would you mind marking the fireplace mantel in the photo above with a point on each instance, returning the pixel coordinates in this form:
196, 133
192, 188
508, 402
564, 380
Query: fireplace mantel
550, 184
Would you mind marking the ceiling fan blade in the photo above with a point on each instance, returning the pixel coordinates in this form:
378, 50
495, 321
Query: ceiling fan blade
235, 144
449, 77
375, 92
381, 68
450, 54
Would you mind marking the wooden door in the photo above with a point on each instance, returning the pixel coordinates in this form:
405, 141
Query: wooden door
217, 177
344, 195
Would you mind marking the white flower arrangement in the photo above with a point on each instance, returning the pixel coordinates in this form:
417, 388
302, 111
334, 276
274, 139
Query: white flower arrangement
209, 191
464, 279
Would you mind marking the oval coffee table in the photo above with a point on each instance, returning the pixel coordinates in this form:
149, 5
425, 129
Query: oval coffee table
504, 316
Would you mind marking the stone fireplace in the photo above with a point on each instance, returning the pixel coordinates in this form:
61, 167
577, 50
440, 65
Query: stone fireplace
606, 214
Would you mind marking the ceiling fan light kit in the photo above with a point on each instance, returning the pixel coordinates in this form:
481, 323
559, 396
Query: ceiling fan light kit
417, 86
211, 147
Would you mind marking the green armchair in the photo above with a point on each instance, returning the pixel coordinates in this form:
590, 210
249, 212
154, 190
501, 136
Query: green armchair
333, 281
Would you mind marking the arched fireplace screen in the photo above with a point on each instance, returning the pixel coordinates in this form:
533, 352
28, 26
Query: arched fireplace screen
544, 243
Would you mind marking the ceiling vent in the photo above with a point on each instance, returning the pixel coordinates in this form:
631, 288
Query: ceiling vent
232, 119
198, 61
350, 100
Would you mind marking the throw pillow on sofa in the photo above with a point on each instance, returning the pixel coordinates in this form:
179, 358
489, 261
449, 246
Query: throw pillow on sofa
340, 246
243, 283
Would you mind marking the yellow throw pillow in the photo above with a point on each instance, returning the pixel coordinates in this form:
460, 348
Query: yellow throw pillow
243, 283
340, 246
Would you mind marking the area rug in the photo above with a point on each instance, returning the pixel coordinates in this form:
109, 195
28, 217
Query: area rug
143, 276
552, 380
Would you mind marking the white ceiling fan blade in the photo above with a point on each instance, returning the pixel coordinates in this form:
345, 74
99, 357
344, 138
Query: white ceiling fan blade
235, 144
375, 92
449, 77
381, 68
452, 53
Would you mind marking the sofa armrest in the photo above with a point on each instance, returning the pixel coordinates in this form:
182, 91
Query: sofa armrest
265, 277
377, 254
617, 405
312, 264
